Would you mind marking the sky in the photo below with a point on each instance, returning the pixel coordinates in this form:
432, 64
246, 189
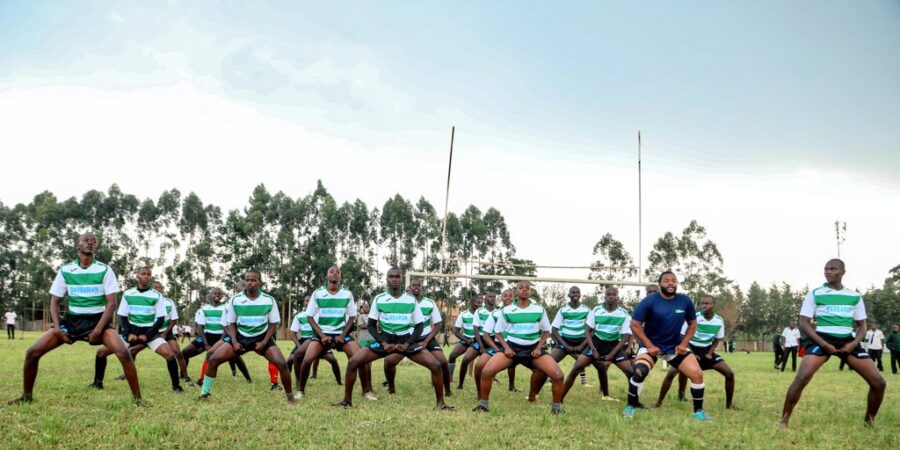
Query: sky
764, 121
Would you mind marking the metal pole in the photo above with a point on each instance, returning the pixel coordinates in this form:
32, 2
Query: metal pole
447, 200
640, 209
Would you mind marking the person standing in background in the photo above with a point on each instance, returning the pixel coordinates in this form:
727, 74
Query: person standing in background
875, 345
790, 340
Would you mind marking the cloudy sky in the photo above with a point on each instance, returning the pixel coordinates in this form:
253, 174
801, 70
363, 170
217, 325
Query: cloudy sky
764, 121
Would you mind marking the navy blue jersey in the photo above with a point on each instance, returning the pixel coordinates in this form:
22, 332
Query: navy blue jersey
663, 318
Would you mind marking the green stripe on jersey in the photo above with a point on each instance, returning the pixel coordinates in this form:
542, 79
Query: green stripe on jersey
608, 325
84, 287
523, 324
572, 326
142, 306
252, 315
707, 330
332, 309
213, 316
167, 320
427, 305
395, 315
468, 320
834, 310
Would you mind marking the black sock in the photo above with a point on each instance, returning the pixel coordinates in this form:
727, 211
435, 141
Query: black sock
634, 392
697, 394
99, 369
173, 372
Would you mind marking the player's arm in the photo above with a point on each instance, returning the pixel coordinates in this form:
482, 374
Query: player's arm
374, 331
810, 332
94, 337
637, 330
589, 337
295, 338
270, 331
477, 331
682, 347
558, 339
712, 348
432, 334
54, 316
860, 336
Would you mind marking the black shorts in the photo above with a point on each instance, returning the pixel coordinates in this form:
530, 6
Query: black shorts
248, 343
706, 363
604, 347
432, 344
339, 346
816, 350
79, 326
412, 349
170, 336
211, 338
490, 351
522, 354
470, 342
570, 342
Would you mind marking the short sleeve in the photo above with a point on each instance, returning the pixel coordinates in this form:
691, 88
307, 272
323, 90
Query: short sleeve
351, 307
199, 318
123, 308
58, 288
489, 325
859, 312
590, 321
721, 333
501, 325
436, 316
174, 314
558, 320
274, 315
642, 309
295, 324
417, 316
459, 321
161, 308
110, 283
312, 310
545, 321
626, 325
229, 317
690, 312
808, 307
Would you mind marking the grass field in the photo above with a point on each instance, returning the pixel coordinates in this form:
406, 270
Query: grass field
66, 414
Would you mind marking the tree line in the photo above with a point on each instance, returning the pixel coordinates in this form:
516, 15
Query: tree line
293, 241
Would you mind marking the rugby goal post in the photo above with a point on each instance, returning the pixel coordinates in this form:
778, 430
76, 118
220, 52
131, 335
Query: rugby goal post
411, 274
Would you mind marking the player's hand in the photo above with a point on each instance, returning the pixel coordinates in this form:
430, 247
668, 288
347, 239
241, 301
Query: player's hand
390, 348
326, 340
401, 347
848, 347
95, 336
142, 338
568, 348
508, 353
681, 350
236, 347
709, 355
259, 346
536, 353
653, 350
608, 358
829, 349
64, 336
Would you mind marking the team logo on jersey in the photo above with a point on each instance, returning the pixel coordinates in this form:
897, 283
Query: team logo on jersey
679, 311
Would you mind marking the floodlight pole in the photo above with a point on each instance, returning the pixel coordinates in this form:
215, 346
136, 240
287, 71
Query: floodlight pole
640, 208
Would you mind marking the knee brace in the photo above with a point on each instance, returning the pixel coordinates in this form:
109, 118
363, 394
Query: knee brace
639, 373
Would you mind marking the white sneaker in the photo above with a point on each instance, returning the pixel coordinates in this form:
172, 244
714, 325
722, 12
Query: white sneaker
370, 396
298, 395
588, 385
607, 398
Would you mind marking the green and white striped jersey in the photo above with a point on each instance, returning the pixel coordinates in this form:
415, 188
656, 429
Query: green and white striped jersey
142, 308
331, 311
431, 314
86, 288
171, 313
522, 326
211, 318
396, 315
301, 326
465, 321
834, 310
707, 330
252, 316
609, 325
570, 321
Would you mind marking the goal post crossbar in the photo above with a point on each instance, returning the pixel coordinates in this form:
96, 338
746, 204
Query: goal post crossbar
411, 274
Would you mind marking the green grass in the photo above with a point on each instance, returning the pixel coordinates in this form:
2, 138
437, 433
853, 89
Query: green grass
66, 414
